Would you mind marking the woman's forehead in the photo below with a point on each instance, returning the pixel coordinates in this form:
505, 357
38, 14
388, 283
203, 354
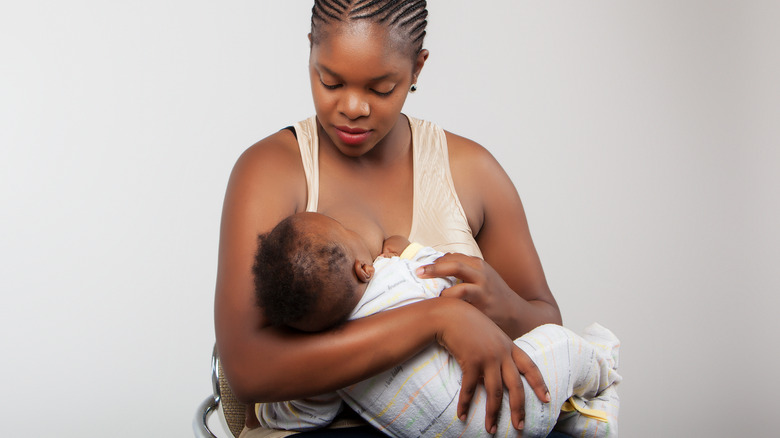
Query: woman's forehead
360, 38
362, 49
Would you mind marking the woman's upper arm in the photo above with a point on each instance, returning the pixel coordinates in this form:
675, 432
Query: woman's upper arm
498, 219
266, 185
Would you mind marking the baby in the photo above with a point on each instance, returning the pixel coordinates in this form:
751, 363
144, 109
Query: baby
311, 274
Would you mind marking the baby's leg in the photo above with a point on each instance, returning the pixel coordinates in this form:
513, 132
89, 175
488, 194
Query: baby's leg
580, 373
300, 415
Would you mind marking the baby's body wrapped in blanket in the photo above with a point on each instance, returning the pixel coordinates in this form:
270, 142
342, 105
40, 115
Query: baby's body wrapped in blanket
419, 397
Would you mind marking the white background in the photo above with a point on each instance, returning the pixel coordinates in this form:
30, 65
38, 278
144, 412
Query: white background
642, 137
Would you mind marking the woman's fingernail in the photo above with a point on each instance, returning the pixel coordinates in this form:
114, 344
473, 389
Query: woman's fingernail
547, 396
420, 271
493, 429
520, 424
463, 417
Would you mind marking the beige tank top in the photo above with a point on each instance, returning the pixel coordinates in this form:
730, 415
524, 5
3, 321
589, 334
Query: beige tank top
438, 218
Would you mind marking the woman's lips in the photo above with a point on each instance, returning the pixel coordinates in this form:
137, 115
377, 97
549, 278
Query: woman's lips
352, 136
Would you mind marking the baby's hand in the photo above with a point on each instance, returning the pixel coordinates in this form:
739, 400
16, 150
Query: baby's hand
394, 246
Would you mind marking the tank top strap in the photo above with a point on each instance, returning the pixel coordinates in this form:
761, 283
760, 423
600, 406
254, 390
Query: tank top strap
309, 144
439, 220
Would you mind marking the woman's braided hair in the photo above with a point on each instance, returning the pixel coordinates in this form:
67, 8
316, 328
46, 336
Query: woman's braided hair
408, 16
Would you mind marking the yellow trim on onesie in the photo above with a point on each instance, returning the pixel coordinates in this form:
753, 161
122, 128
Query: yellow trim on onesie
411, 251
570, 405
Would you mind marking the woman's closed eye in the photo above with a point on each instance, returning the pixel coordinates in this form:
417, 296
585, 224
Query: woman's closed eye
383, 93
379, 91
330, 86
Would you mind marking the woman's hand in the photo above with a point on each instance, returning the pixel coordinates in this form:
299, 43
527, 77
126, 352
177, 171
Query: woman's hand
487, 355
481, 286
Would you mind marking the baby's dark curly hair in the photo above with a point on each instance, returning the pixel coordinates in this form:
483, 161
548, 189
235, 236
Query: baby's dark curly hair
302, 280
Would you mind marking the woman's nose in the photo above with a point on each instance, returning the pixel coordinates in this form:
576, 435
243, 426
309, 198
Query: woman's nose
354, 106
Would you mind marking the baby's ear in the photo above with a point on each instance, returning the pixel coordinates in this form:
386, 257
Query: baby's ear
364, 271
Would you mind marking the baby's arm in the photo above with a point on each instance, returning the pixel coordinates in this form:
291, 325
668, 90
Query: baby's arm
394, 246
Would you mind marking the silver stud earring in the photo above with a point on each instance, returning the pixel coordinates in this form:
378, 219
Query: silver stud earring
413, 88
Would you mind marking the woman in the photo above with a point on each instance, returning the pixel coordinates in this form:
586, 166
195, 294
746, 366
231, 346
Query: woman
380, 173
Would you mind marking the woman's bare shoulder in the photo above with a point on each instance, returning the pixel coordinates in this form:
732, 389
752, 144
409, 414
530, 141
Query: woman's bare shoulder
271, 169
465, 153
476, 175
279, 149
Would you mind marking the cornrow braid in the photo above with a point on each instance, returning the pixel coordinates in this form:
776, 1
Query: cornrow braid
409, 16
325, 10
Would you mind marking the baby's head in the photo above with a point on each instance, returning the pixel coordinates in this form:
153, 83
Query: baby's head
310, 272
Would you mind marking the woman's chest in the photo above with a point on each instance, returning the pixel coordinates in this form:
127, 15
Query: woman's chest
374, 206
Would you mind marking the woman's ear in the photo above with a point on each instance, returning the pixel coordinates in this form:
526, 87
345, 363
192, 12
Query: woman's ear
419, 63
364, 271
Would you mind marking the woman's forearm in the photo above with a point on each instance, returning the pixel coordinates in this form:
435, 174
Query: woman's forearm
527, 316
273, 364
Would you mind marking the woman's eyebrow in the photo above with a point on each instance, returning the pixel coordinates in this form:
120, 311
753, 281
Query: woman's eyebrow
327, 70
381, 78
334, 74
